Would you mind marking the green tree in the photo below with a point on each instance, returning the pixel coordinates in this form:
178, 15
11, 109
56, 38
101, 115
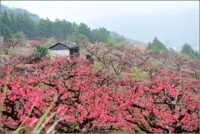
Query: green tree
67, 28
6, 32
5, 18
100, 35
5, 29
115, 39
84, 29
26, 25
20, 36
42, 50
78, 38
13, 23
188, 50
156, 45
74, 28
62, 29
45, 28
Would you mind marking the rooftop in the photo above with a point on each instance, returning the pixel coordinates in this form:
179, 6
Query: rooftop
70, 45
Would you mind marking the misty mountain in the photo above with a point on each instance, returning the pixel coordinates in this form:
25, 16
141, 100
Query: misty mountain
35, 17
173, 28
9, 10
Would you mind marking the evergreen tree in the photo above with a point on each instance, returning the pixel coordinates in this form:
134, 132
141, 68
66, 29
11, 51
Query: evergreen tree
6, 32
45, 28
84, 29
188, 50
156, 45
100, 35
13, 24
5, 29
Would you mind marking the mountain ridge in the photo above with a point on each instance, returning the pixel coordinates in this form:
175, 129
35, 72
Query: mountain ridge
173, 28
36, 18
15, 10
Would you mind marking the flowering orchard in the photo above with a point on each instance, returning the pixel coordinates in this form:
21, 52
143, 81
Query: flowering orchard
72, 96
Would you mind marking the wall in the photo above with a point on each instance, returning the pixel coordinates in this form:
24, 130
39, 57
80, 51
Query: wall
1, 39
58, 53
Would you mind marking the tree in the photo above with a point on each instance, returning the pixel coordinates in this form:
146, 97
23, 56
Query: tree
99, 35
80, 105
6, 32
11, 43
84, 29
43, 50
114, 40
20, 36
188, 50
79, 38
118, 60
156, 45
25, 24
161, 106
77, 98
60, 29
45, 28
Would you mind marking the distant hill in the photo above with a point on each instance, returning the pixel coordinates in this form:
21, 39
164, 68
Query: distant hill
36, 18
9, 10
173, 28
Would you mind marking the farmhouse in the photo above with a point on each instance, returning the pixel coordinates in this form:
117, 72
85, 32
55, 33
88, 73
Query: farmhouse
64, 49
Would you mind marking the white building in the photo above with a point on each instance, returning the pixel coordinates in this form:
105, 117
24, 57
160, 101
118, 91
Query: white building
61, 49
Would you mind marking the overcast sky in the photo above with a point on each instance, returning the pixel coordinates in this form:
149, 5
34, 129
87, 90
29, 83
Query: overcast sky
85, 11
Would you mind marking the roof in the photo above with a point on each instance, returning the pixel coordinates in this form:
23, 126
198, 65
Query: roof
69, 45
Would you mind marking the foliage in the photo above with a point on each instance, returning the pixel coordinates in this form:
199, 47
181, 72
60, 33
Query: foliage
11, 43
30, 58
115, 39
84, 29
43, 50
79, 38
99, 35
20, 36
6, 32
187, 50
70, 96
156, 45
12, 24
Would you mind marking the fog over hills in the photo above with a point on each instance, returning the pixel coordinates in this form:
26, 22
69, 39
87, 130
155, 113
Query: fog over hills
173, 28
10, 10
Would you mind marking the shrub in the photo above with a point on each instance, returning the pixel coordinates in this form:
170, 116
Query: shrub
42, 50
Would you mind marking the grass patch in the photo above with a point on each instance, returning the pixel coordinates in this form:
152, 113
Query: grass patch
121, 132
17, 51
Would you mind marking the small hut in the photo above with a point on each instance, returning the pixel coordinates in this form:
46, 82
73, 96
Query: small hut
64, 49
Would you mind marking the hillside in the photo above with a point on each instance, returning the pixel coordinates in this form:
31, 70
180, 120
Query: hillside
173, 28
18, 11
66, 76
36, 26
